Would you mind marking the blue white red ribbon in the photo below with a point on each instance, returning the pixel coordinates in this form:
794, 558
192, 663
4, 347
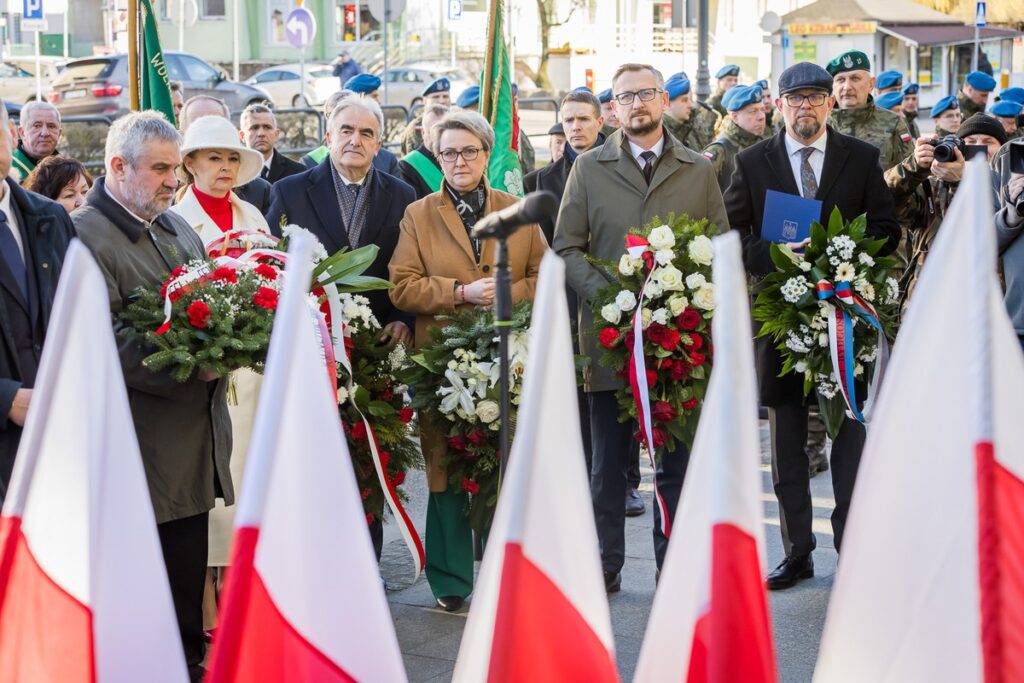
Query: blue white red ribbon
636, 246
841, 345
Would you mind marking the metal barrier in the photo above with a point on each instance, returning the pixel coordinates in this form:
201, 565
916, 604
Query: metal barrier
85, 138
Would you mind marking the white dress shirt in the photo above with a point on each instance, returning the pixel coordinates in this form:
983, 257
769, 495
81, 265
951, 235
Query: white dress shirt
636, 150
817, 159
5, 206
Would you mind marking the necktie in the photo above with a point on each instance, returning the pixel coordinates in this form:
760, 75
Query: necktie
265, 173
809, 184
648, 167
353, 227
12, 255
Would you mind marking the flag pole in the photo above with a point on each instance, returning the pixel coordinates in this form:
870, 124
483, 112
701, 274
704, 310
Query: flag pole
133, 55
487, 87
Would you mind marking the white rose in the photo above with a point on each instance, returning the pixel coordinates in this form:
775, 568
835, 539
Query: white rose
695, 281
677, 304
704, 298
660, 316
646, 316
625, 300
488, 411
611, 313
670, 278
661, 237
664, 256
701, 250
626, 265
654, 289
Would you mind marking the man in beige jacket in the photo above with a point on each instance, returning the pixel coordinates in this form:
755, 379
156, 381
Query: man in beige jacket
639, 173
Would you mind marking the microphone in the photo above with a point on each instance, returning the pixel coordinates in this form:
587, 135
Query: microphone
532, 208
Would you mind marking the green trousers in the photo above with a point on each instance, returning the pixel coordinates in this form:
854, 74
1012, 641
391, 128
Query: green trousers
449, 545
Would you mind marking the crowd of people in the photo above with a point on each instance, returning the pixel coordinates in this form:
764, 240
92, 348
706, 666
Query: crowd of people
643, 148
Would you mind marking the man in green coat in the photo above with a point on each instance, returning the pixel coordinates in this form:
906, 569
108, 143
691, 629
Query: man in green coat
744, 127
39, 130
973, 95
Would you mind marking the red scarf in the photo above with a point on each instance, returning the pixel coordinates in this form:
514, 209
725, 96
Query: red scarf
217, 208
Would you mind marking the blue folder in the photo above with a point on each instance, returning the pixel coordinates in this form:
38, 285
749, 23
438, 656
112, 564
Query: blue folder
788, 217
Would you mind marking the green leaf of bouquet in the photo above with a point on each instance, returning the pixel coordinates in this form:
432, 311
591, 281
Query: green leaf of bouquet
345, 263
833, 412
835, 223
380, 409
781, 256
818, 236
354, 284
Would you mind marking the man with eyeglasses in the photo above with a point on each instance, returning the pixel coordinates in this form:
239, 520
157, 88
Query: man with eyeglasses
639, 173
809, 159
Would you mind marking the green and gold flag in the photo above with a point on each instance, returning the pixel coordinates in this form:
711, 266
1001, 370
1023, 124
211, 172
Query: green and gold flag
155, 89
498, 106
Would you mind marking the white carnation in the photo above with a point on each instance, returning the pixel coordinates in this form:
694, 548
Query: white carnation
704, 298
625, 300
612, 313
701, 251
626, 266
488, 411
661, 237
677, 303
892, 287
865, 259
342, 395
695, 280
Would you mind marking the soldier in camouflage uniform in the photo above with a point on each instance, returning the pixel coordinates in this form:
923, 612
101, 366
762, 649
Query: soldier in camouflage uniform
704, 120
439, 91
611, 119
973, 95
888, 81
910, 111
728, 77
891, 101
1007, 112
678, 117
744, 127
946, 116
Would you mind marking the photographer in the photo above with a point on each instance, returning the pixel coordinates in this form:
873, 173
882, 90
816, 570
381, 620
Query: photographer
928, 180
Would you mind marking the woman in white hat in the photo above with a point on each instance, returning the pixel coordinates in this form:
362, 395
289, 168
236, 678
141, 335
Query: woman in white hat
215, 161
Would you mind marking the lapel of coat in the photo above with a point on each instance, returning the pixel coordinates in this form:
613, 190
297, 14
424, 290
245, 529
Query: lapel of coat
836, 154
778, 160
454, 224
34, 227
324, 200
274, 172
380, 205
616, 151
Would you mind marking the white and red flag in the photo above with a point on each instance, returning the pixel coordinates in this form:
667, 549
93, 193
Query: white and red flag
709, 622
83, 589
304, 600
930, 584
540, 612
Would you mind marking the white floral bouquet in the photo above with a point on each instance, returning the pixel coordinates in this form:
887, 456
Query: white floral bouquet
831, 311
668, 267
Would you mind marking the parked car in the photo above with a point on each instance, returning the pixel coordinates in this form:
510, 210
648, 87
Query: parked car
18, 80
406, 83
99, 85
282, 82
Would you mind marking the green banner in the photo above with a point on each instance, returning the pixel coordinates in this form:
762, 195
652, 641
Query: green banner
155, 89
498, 106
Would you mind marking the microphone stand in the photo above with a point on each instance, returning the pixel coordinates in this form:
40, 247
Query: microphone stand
502, 325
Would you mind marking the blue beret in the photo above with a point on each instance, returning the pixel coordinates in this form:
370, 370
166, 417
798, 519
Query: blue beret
742, 96
1006, 108
678, 75
469, 97
363, 84
1013, 95
946, 103
889, 79
438, 85
763, 84
889, 100
676, 87
605, 96
583, 88
911, 89
728, 70
804, 75
979, 80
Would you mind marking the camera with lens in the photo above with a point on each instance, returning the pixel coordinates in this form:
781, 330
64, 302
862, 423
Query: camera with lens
945, 148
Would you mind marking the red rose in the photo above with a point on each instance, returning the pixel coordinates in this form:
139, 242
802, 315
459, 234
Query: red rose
177, 272
689, 319
266, 272
652, 378
670, 339
680, 370
696, 342
663, 412
405, 415
266, 297
359, 430
609, 337
470, 487
659, 437
697, 359
477, 437
398, 478
655, 332
365, 493
224, 273
690, 404
456, 443
369, 518
198, 314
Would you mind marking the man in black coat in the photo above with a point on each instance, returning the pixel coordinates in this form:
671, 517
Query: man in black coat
261, 133
34, 234
809, 159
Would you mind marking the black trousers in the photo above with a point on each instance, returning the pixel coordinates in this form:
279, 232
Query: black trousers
792, 481
633, 473
185, 545
613, 453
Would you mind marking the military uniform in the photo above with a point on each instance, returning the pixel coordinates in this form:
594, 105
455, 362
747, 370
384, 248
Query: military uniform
884, 129
607, 130
722, 152
715, 102
412, 135
681, 130
911, 118
968, 107
704, 121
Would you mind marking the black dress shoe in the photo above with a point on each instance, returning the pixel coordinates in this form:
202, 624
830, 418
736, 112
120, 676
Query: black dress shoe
612, 582
450, 603
634, 503
791, 570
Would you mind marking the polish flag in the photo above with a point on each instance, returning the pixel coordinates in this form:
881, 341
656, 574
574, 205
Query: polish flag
709, 622
304, 600
83, 588
540, 612
930, 584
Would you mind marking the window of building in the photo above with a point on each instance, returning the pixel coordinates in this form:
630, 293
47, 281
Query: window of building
277, 12
353, 21
212, 9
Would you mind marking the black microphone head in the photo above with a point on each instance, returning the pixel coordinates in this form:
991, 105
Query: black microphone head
537, 206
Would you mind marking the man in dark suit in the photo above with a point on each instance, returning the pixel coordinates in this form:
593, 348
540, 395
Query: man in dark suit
34, 234
385, 161
807, 158
260, 132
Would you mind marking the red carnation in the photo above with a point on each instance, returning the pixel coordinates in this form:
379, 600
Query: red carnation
696, 342
690, 404
398, 478
266, 297
663, 412
405, 415
178, 293
697, 359
652, 378
669, 339
198, 314
365, 493
688, 319
609, 337
266, 272
369, 518
659, 437
456, 443
470, 486
177, 272
680, 370
224, 273
477, 437
359, 430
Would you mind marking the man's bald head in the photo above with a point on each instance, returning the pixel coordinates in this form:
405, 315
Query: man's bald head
199, 106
